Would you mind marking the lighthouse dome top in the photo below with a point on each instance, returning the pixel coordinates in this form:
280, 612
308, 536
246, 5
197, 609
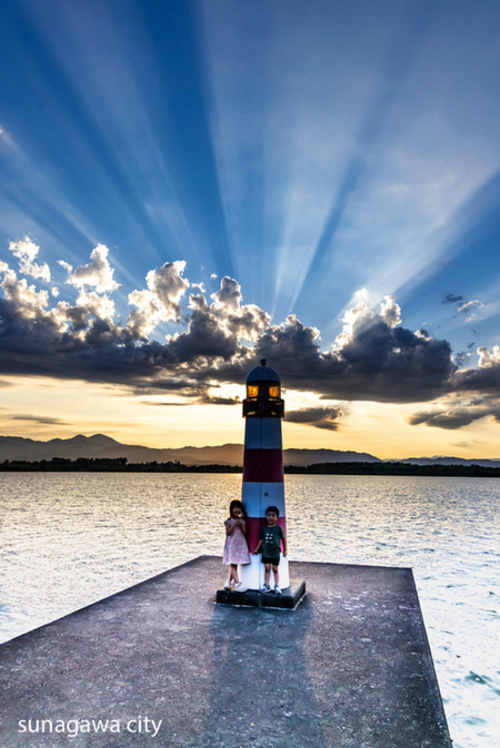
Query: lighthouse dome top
263, 373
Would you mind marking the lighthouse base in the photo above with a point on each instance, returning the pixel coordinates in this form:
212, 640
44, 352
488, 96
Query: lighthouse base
289, 599
252, 574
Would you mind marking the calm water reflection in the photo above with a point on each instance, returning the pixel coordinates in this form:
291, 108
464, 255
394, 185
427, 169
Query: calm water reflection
68, 540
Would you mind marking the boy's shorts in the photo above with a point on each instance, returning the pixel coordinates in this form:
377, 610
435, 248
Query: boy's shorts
274, 561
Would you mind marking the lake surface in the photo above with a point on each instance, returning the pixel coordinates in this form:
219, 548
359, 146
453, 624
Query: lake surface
70, 539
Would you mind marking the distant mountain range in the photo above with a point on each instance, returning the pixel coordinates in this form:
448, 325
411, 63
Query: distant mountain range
99, 445
18, 448
439, 460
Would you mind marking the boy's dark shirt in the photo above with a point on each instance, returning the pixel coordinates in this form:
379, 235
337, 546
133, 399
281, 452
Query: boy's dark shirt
271, 537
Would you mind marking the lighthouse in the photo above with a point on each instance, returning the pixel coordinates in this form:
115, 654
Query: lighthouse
263, 486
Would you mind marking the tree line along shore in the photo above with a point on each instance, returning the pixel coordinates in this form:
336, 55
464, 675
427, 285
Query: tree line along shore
121, 465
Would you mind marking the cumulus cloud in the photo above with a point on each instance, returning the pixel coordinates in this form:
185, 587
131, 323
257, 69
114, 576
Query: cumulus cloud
228, 297
216, 331
160, 302
28, 325
23, 300
489, 360
199, 286
26, 250
90, 308
98, 272
320, 418
484, 379
245, 321
373, 358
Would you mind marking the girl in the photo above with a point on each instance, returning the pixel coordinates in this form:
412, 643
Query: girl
235, 547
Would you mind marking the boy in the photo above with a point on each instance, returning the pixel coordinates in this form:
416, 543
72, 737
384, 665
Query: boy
269, 545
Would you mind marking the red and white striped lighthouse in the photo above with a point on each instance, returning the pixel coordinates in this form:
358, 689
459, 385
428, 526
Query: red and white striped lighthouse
263, 484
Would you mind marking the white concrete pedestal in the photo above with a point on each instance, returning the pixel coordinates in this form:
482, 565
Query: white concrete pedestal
252, 574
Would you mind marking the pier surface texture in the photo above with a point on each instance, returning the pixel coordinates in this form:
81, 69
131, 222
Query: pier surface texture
350, 667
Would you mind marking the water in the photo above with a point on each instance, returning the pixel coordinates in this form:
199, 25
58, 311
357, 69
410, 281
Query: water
70, 539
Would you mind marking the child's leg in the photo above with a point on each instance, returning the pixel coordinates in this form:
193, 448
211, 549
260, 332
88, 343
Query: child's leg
276, 574
267, 574
233, 573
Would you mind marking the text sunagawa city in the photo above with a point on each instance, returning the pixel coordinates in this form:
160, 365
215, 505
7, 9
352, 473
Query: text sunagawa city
73, 727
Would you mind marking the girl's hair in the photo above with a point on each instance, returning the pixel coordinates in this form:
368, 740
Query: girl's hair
236, 503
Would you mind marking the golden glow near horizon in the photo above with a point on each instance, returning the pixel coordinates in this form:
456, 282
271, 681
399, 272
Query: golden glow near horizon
42, 409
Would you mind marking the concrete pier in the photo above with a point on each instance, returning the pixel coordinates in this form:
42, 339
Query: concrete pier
350, 667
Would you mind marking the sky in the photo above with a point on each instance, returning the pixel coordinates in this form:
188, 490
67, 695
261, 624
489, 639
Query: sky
189, 187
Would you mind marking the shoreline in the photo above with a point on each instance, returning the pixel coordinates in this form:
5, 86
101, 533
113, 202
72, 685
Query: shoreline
121, 465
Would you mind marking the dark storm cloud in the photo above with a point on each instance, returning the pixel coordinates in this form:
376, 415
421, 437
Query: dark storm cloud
462, 357
462, 304
163, 405
485, 379
320, 418
456, 418
459, 409
453, 419
207, 399
42, 420
373, 358
450, 299
194, 394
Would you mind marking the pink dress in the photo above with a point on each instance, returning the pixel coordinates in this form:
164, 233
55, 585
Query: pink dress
235, 547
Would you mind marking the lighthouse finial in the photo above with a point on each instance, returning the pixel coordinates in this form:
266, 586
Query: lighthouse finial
263, 361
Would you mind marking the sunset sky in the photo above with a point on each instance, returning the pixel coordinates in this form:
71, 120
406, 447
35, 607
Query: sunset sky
187, 187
